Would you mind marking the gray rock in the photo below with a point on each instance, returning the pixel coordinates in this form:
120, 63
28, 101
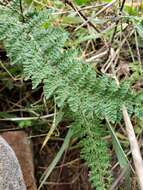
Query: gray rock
11, 177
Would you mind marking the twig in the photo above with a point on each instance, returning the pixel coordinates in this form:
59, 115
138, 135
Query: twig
120, 177
3, 66
7, 4
93, 6
11, 129
114, 54
116, 26
26, 118
138, 162
138, 51
96, 56
81, 15
85, 19
105, 7
21, 10
135, 150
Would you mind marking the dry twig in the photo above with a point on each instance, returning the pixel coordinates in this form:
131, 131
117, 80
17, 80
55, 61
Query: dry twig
135, 150
138, 162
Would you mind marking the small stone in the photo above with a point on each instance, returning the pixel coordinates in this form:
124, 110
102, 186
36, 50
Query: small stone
22, 147
11, 177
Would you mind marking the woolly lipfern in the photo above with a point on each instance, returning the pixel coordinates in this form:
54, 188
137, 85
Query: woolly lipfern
41, 51
94, 150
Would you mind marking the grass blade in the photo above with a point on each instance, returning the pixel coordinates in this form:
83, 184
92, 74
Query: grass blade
57, 158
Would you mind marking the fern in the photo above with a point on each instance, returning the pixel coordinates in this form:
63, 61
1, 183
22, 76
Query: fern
88, 98
94, 150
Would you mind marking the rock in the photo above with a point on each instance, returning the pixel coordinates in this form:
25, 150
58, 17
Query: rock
22, 147
10, 172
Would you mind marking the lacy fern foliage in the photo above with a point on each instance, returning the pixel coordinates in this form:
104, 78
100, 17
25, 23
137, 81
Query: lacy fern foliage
40, 47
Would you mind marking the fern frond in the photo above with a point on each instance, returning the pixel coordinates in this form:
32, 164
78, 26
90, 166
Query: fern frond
40, 48
94, 151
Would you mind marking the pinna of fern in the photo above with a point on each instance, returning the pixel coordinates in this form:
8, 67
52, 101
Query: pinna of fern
74, 84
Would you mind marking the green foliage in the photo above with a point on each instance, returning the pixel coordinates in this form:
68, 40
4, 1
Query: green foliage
88, 98
82, 2
131, 10
94, 150
137, 72
25, 124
